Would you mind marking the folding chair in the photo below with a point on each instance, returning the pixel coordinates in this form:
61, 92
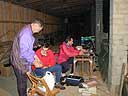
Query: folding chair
36, 82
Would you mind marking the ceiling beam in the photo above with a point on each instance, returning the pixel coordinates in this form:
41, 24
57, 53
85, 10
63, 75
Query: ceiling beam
71, 12
61, 9
29, 1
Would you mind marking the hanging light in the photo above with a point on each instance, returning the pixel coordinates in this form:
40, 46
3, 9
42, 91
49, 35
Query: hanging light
65, 20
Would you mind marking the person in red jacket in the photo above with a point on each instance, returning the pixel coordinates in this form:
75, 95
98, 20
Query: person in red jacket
66, 54
46, 62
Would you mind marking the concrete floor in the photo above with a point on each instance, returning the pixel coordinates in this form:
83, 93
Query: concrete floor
8, 87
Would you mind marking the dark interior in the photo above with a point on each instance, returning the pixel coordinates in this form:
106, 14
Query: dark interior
78, 16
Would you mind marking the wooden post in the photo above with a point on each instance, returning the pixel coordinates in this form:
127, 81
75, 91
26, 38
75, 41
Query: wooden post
122, 79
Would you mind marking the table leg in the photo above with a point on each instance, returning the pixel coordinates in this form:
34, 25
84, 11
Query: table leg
74, 68
83, 68
90, 67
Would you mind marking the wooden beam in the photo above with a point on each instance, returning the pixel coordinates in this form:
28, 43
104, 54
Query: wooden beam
58, 3
46, 2
69, 13
23, 22
64, 5
65, 9
29, 1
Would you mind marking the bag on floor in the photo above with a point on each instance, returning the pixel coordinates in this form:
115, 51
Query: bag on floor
74, 80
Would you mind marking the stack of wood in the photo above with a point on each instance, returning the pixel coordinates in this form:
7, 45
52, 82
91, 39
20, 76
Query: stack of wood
5, 48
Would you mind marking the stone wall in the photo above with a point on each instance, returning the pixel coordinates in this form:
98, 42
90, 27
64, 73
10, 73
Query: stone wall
118, 41
99, 24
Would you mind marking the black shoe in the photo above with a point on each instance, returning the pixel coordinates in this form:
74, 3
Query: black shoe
58, 85
63, 78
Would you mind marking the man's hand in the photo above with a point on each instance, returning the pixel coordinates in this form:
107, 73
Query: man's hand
37, 64
84, 50
81, 53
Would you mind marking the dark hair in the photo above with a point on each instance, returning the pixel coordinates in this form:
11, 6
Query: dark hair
45, 45
68, 38
38, 21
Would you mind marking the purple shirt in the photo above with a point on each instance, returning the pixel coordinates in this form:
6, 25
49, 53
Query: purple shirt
26, 41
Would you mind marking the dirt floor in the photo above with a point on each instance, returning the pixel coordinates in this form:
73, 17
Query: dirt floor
8, 87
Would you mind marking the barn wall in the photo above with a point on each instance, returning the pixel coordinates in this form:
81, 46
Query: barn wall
13, 17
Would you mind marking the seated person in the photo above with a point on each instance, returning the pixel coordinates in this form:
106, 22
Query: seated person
46, 62
66, 54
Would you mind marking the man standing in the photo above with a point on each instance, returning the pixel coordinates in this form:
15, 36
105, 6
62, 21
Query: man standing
22, 54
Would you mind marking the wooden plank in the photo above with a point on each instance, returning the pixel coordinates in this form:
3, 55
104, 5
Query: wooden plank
19, 13
28, 2
1, 12
122, 79
9, 25
25, 15
4, 19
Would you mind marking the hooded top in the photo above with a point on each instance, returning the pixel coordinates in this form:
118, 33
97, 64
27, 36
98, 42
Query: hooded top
66, 52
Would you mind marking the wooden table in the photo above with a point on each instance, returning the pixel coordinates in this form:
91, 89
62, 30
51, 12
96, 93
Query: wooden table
83, 59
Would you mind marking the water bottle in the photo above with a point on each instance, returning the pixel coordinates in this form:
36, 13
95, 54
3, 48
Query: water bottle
82, 40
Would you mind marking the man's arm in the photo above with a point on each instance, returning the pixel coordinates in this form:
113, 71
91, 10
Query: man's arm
70, 52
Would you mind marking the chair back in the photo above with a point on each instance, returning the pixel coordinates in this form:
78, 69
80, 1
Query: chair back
37, 83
